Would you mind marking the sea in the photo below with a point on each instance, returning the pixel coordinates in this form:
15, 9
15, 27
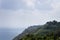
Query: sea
9, 33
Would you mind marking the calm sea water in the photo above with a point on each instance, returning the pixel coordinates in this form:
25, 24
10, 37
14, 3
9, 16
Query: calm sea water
9, 34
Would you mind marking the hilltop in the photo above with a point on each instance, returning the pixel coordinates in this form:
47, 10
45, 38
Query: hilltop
48, 31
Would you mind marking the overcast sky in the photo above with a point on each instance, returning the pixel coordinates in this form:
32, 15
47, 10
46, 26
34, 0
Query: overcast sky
23, 13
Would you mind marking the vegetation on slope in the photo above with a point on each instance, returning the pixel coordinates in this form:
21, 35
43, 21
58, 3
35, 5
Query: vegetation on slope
48, 31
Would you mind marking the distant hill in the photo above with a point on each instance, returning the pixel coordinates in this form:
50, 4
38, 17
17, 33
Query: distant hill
48, 31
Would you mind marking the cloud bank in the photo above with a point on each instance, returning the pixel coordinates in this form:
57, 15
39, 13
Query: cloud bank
24, 13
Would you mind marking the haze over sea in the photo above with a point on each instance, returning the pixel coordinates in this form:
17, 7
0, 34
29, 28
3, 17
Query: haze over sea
9, 34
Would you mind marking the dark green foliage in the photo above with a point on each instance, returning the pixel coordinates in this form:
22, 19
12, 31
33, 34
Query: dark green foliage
49, 36
48, 31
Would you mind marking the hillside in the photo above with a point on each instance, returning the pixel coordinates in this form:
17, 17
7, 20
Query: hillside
48, 31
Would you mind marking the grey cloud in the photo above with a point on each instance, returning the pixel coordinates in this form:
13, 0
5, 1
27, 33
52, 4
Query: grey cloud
12, 4
23, 18
44, 5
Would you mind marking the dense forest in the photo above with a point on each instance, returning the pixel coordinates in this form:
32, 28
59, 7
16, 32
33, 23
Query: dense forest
48, 31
